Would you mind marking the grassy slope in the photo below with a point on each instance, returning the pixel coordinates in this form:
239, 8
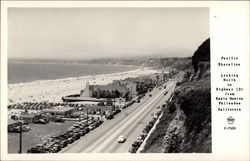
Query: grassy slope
155, 140
194, 99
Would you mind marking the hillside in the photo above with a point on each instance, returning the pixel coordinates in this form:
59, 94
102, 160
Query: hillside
185, 126
156, 62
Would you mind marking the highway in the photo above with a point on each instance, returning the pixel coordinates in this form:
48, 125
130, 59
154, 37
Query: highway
129, 123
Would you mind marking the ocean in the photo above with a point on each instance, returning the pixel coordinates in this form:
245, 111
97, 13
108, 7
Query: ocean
21, 72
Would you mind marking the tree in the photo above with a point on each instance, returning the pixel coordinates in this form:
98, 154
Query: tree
104, 95
117, 94
94, 94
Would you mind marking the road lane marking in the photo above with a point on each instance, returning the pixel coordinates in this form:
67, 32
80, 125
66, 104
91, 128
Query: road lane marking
114, 135
144, 116
139, 111
118, 126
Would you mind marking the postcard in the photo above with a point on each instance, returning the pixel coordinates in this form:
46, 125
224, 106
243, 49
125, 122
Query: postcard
125, 80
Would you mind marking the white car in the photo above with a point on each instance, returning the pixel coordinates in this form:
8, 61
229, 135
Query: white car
121, 139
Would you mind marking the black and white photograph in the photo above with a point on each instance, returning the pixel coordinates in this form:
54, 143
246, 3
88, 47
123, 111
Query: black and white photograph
124, 80
109, 80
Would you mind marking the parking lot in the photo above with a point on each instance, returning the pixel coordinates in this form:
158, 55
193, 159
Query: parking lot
38, 133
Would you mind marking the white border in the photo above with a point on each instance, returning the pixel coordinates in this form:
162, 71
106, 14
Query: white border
232, 15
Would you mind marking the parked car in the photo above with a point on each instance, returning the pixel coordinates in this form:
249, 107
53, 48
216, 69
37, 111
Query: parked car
91, 127
70, 140
25, 128
109, 116
41, 121
136, 145
59, 119
132, 150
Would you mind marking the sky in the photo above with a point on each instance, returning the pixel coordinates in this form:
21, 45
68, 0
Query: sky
88, 33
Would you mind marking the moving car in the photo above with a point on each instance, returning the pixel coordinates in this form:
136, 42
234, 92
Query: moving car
121, 139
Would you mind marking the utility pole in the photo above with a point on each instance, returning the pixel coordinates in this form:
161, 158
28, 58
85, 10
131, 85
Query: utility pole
87, 118
20, 137
131, 91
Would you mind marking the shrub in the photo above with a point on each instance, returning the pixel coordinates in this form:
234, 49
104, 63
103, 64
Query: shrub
172, 108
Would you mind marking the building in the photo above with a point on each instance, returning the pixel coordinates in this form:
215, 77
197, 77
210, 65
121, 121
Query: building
86, 92
29, 117
132, 87
59, 111
110, 91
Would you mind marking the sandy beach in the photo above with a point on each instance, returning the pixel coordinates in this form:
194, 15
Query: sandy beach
53, 90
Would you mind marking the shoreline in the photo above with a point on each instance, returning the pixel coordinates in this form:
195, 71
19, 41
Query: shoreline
54, 90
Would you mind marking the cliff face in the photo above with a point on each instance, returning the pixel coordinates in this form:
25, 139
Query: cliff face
190, 130
186, 121
201, 61
202, 54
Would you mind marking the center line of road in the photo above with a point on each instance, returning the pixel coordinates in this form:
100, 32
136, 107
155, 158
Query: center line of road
109, 134
130, 128
100, 141
114, 135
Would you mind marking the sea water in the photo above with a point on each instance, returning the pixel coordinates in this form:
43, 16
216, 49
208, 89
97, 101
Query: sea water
21, 72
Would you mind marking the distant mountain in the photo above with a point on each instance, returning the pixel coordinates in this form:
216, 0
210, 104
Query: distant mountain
157, 62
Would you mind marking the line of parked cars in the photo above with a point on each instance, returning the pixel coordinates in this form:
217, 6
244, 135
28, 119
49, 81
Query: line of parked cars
110, 115
139, 140
41, 105
17, 129
128, 104
56, 143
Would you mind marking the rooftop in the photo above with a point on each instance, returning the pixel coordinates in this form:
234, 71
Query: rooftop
110, 87
27, 115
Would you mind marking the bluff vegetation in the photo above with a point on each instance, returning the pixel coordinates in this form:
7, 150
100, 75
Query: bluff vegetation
185, 126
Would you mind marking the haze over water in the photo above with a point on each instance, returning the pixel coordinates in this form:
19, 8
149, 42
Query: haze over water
28, 72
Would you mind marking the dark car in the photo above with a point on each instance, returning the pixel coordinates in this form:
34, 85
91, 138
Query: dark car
146, 130
33, 150
63, 143
109, 116
70, 140
81, 132
136, 144
118, 110
91, 127
76, 136
132, 150
58, 119
56, 148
